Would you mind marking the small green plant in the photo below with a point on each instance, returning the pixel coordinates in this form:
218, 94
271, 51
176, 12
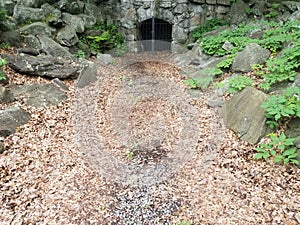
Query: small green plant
5, 45
249, 11
129, 153
275, 5
278, 108
258, 69
272, 15
192, 83
80, 54
2, 74
3, 14
280, 147
226, 64
238, 83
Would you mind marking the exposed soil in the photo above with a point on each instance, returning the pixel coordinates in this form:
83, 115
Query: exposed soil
47, 178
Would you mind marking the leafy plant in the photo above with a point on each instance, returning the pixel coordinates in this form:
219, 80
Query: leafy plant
80, 54
238, 37
210, 25
271, 15
129, 155
277, 34
238, 83
3, 14
226, 64
109, 39
192, 83
275, 5
282, 107
5, 45
2, 74
280, 147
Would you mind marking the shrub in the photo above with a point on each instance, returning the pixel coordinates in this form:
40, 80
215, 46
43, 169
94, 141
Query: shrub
109, 38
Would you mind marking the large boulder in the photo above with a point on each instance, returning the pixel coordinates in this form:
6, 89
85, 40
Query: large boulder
50, 47
74, 21
23, 14
67, 36
252, 54
38, 28
44, 66
243, 115
39, 95
11, 118
88, 75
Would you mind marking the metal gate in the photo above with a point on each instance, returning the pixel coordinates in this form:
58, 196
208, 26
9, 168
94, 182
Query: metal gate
156, 35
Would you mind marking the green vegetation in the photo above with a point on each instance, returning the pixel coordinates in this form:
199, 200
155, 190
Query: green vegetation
280, 147
238, 83
238, 37
5, 45
210, 25
282, 66
107, 39
226, 64
3, 15
80, 54
282, 107
2, 74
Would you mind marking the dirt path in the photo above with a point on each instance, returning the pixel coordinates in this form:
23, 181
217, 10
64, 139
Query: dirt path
48, 177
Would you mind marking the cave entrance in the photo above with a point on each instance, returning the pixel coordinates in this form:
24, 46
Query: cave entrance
156, 35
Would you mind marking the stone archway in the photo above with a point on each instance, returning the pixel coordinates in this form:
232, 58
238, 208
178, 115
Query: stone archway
156, 30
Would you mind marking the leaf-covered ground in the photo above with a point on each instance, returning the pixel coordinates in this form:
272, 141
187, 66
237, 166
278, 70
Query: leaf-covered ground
45, 179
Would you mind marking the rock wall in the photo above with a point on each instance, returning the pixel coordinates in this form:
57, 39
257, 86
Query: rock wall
182, 15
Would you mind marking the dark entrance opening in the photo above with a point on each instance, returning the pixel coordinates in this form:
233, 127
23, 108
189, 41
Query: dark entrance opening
156, 35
